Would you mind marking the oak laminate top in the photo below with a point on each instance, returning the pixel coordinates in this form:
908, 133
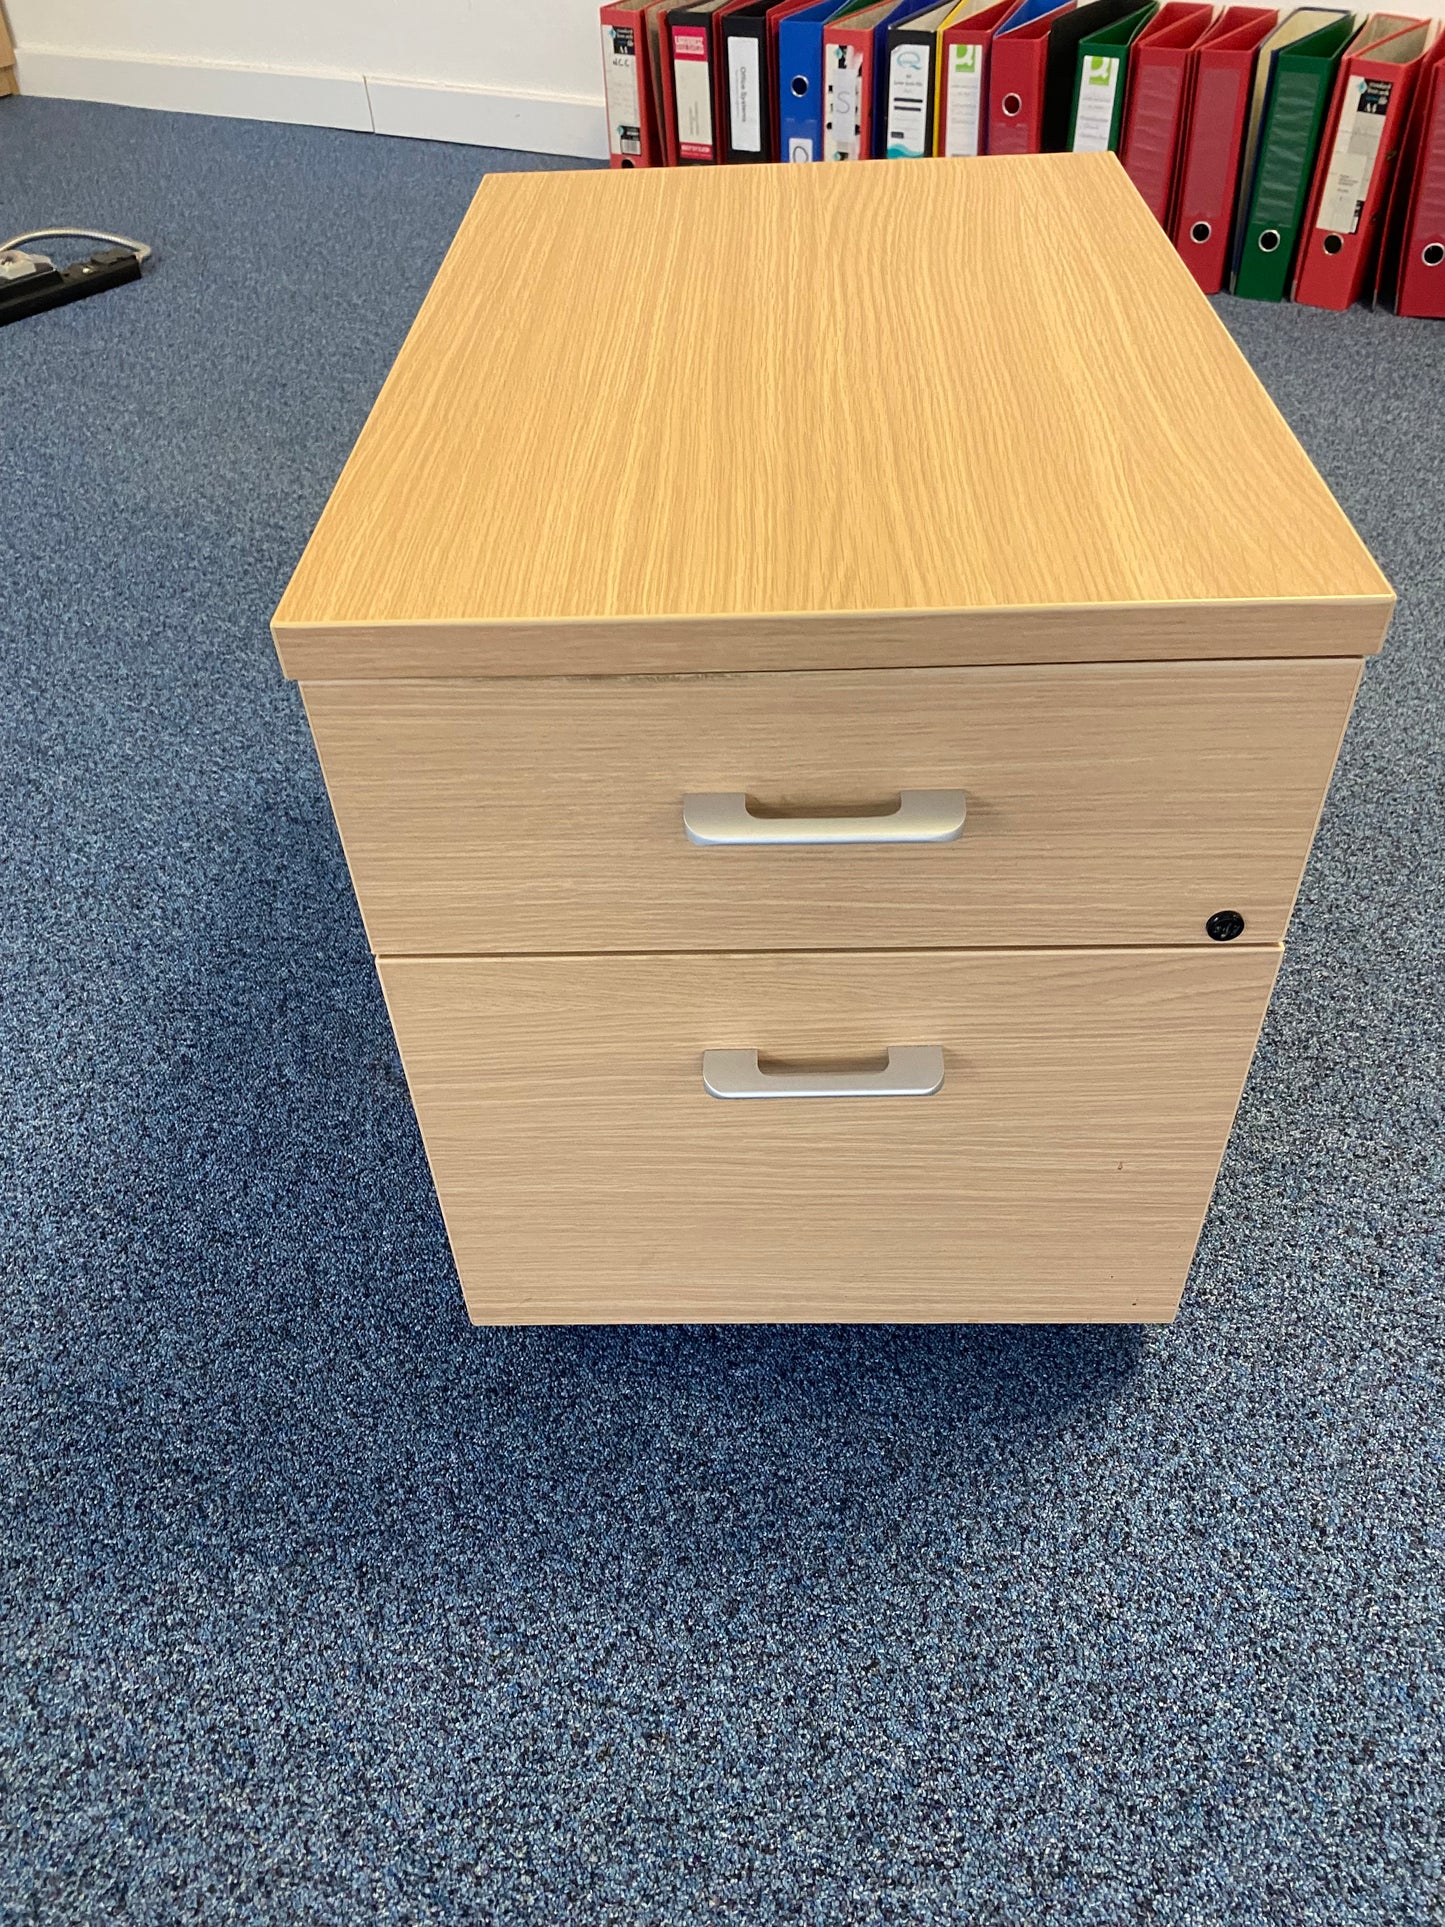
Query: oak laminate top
754, 417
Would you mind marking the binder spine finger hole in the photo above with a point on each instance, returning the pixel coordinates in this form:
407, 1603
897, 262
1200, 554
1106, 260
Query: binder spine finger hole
800, 85
1200, 232
1011, 103
1269, 240
1333, 243
1433, 255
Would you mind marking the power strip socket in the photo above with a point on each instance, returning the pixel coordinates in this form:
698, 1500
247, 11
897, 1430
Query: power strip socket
30, 283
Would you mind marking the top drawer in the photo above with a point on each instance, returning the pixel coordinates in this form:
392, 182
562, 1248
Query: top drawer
1105, 804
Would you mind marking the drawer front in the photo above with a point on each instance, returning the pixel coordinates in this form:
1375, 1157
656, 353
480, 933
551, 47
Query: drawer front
1118, 804
1060, 1172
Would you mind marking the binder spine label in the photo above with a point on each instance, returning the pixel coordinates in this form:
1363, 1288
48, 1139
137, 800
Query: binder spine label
843, 103
800, 147
1098, 89
745, 94
965, 98
908, 83
692, 85
1356, 151
624, 115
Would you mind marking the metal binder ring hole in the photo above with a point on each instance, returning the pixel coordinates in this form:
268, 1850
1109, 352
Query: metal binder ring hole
800, 85
1269, 240
1333, 243
1200, 232
1433, 255
1011, 103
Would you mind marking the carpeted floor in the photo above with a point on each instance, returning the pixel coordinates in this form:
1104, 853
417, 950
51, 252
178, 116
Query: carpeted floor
321, 1607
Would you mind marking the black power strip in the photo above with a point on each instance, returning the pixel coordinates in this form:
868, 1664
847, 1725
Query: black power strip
33, 289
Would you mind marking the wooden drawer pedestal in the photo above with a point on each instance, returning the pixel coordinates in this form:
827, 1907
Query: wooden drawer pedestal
827, 677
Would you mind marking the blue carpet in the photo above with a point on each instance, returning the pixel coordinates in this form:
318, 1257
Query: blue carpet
321, 1607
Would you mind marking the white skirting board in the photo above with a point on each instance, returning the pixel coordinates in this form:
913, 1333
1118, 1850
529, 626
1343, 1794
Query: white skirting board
489, 117
365, 103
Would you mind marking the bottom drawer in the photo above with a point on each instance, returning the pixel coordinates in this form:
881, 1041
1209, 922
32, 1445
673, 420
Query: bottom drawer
1059, 1172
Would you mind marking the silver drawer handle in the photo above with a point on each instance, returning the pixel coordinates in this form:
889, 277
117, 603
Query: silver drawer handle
922, 816
912, 1070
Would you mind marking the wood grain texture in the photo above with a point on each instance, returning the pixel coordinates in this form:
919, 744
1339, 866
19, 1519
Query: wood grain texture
1119, 805
726, 401
1060, 1174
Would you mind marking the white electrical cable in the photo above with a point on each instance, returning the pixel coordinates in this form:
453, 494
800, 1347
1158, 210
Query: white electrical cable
137, 248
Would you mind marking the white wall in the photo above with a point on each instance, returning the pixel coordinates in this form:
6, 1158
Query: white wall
508, 73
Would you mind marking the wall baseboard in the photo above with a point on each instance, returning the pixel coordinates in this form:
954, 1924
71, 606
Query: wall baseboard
197, 87
489, 117
418, 109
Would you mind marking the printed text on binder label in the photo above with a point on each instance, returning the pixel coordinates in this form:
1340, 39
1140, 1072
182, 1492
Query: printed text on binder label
1094, 123
908, 76
692, 77
745, 95
965, 70
624, 119
1356, 150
